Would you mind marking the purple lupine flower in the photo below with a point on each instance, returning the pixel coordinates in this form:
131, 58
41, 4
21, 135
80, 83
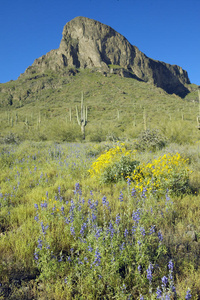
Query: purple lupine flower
133, 192
171, 265
142, 230
110, 229
72, 230
86, 259
141, 297
167, 196
43, 205
79, 261
36, 218
59, 190
83, 227
121, 197
36, 255
125, 232
158, 293
44, 228
167, 297
133, 229
152, 229
104, 200
149, 272
164, 280
77, 187
72, 207
136, 216
160, 236
143, 192
36, 206
128, 181
65, 280
97, 260
67, 221
89, 202
94, 217
121, 247
61, 258
97, 234
40, 244
117, 220
90, 249
188, 295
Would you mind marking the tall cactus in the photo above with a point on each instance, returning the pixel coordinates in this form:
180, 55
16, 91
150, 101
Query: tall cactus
82, 121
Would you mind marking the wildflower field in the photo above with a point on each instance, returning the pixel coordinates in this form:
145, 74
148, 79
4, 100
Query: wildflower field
99, 221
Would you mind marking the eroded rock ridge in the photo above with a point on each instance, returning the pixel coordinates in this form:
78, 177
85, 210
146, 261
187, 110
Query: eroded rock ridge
87, 43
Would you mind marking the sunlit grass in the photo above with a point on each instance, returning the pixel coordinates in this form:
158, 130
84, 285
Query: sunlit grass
51, 204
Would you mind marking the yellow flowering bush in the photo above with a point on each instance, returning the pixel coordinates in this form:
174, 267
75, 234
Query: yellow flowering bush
169, 171
115, 164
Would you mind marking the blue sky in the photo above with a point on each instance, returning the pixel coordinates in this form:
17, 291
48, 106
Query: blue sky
165, 30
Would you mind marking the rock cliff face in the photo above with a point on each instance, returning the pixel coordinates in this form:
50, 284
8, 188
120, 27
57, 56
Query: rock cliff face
87, 43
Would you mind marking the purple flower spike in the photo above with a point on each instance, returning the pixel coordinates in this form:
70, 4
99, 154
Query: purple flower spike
188, 295
125, 232
104, 200
158, 293
117, 220
97, 260
149, 272
164, 280
171, 265
121, 197
160, 236
128, 181
133, 192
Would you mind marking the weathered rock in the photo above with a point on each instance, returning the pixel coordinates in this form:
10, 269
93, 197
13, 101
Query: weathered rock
87, 43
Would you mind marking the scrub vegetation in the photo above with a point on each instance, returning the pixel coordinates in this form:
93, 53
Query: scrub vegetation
113, 215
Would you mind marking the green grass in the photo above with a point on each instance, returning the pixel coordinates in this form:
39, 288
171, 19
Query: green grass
39, 174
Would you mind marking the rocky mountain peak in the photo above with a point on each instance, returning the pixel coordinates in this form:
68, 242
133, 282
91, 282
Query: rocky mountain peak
87, 43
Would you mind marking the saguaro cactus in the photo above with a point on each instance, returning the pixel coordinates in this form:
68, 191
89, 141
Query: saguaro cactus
82, 121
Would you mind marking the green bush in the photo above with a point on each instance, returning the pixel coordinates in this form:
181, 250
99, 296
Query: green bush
150, 140
120, 170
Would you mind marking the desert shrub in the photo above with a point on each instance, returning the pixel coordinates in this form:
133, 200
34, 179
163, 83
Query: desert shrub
96, 135
150, 140
119, 170
11, 138
114, 164
169, 171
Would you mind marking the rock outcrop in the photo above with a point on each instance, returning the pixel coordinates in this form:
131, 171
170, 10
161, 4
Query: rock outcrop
87, 43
